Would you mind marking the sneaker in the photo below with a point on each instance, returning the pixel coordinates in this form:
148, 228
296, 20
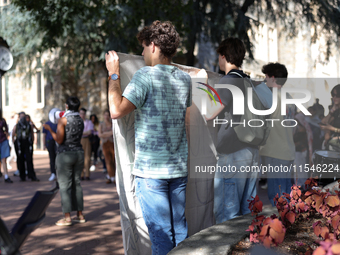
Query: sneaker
8, 180
79, 219
52, 177
93, 168
64, 222
16, 173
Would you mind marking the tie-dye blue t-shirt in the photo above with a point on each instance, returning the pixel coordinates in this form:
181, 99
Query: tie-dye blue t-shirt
161, 95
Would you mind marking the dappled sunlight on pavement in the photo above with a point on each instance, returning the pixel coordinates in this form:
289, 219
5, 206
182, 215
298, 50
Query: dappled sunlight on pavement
101, 234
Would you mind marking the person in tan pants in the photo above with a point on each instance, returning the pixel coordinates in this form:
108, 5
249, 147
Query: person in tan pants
85, 142
106, 136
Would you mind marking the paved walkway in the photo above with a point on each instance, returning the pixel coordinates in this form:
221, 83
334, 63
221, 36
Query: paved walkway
100, 235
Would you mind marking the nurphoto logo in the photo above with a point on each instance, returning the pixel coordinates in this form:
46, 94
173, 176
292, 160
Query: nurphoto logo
239, 104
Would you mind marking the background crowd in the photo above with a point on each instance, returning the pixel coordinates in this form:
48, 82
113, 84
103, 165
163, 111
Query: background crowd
17, 145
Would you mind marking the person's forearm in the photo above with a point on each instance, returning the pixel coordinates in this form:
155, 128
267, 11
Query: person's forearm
54, 135
115, 97
87, 132
334, 129
325, 120
106, 134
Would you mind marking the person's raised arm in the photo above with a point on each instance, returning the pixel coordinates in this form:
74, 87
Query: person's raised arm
33, 125
119, 105
60, 135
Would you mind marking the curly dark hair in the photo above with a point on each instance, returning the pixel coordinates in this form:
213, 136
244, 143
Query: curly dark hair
163, 35
233, 50
277, 70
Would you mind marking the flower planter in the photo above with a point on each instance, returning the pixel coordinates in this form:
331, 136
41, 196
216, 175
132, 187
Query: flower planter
219, 239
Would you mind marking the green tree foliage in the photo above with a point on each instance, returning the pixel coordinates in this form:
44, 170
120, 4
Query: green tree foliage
224, 18
91, 28
85, 30
22, 35
80, 32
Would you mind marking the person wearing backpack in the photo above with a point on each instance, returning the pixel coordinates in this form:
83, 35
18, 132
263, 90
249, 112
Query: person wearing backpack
232, 189
279, 148
23, 142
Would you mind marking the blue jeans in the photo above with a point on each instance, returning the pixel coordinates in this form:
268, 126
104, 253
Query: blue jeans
233, 190
279, 178
163, 206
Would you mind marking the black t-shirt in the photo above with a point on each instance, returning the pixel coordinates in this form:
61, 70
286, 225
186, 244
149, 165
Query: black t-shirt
231, 142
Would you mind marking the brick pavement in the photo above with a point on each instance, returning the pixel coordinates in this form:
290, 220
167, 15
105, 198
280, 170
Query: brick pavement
100, 235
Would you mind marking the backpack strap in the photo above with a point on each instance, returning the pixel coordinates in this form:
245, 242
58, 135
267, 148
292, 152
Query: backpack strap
236, 74
249, 80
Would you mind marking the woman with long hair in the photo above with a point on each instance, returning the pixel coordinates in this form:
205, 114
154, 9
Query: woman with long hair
4, 147
70, 162
29, 120
106, 135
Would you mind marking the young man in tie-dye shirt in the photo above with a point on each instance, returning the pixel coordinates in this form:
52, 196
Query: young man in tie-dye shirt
159, 93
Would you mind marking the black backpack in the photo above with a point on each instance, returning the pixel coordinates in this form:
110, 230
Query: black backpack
23, 130
253, 135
